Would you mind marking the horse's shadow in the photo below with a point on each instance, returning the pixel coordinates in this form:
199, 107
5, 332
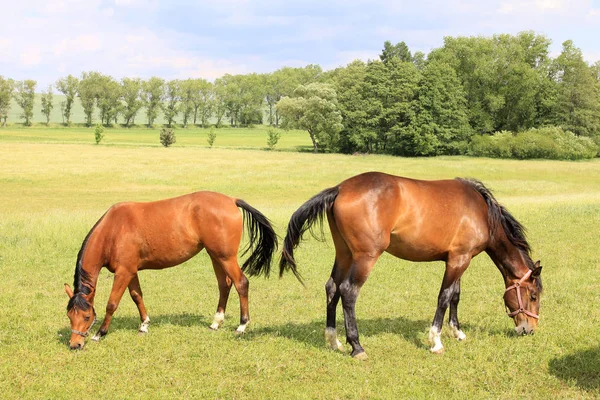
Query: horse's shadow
132, 323
311, 333
581, 367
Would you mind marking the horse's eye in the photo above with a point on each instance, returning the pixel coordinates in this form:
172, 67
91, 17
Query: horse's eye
533, 297
86, 319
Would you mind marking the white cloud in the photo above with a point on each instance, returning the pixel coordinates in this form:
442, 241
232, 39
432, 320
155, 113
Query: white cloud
30, 57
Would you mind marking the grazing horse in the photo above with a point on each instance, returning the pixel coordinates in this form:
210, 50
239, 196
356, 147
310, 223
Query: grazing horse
446, 220
131, 237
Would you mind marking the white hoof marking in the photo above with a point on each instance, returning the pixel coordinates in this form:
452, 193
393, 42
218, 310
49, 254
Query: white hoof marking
217, 321
145, 325
96, 338
241, 328
434, 338
458, 334
331, 339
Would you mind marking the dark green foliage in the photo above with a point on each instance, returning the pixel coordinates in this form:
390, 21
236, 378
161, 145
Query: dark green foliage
549, 142
167, 137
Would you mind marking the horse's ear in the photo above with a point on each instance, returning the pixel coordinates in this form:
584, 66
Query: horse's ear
537, 270
68, 290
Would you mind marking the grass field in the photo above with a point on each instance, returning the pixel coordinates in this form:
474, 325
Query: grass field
55, 183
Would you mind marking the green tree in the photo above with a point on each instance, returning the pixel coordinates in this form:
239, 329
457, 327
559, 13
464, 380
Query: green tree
202, 98
69, 87
88, 92
189, 91
109, 99
578, 102
153, 92
314, 109
219, 103
25, 97
389, 90
6, 90
172, 98
98, 133
440, 124
131, 92
353, 101
210, 138
47, 104
399, 50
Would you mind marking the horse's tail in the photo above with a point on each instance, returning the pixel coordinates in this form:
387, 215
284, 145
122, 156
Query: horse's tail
302, 220
498, 215
263, 240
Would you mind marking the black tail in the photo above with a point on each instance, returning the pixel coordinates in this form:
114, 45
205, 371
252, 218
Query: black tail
302, 220
263, 240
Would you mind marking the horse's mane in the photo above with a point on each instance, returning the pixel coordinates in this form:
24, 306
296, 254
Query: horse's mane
82, 279
498, 216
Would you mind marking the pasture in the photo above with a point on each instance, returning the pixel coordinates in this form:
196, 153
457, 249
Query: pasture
55, 183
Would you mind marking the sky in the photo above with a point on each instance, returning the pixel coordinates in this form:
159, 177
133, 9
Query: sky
48, 39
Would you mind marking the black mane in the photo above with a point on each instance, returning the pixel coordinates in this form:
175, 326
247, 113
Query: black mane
498, 216
82, 281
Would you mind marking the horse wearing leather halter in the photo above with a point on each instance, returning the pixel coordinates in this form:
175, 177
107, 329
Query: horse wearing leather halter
447, 220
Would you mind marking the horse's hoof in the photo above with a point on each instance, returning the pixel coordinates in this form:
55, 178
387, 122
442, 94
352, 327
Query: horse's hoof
214, 326
437, 350
96, 338
361, 356
239, 333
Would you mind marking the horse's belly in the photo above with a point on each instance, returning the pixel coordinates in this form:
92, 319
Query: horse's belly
417, 250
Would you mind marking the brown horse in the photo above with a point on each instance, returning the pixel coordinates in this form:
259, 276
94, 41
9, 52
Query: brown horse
134, 236
447, 220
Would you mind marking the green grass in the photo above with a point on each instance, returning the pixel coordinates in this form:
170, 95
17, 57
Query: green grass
52, 192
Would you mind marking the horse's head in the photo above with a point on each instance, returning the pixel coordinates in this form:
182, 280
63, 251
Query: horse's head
522, 298
82, 316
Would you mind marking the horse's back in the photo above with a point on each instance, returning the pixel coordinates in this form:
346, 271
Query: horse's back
413, 219
167, 232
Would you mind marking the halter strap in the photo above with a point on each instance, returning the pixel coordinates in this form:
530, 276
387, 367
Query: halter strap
86, 333
517, 287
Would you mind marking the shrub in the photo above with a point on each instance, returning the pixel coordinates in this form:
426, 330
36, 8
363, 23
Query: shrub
212, 135
549, 142
167, 136
98, 133
273, 137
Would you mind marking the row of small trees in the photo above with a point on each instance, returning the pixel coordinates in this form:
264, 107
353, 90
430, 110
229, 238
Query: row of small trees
239, 98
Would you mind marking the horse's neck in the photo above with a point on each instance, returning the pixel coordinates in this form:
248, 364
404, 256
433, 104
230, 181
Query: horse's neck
509, 259
92, 265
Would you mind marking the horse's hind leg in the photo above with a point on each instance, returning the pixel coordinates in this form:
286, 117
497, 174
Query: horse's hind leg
120, 283
455, 266
224, 288
332, 292
349, 290
136, 295
232, 269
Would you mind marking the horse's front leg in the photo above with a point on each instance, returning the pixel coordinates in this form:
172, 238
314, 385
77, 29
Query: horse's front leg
453, 323
120, 283
136, 295
449, 293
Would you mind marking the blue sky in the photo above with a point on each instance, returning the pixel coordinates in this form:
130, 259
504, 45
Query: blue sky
46, 40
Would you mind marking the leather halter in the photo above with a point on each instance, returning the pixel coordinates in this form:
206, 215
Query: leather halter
521, 309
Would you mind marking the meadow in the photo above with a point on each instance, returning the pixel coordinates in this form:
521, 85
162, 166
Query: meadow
55, 183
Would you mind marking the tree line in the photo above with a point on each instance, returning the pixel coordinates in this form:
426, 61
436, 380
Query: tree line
408, 104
